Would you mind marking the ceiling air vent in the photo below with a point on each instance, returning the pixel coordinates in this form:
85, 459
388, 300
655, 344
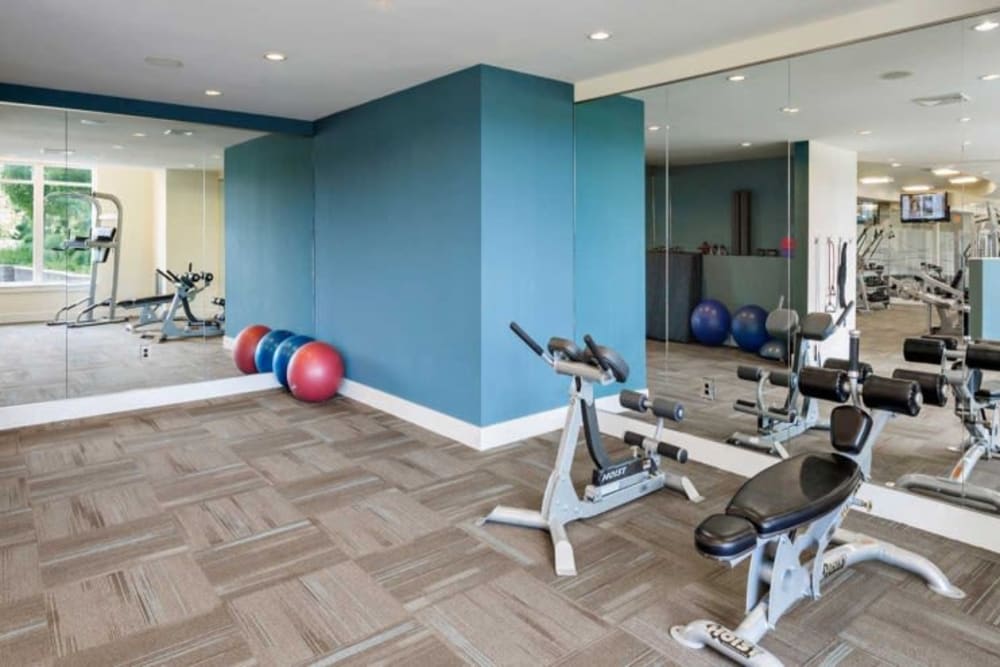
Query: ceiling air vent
942, 100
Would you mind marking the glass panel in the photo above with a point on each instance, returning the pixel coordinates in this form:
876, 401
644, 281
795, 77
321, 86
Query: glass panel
17, 214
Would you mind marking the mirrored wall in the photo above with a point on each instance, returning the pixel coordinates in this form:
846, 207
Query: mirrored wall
806, 197
112, 262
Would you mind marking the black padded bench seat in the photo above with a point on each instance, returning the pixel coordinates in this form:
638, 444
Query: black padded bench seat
787, 495
145, 301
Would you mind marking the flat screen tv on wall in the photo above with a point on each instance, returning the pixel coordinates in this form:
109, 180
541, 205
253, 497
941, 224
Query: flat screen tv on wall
925, 207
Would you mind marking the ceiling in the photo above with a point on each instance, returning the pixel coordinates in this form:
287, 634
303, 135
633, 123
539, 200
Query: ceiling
346, 52
38, 134
840, 93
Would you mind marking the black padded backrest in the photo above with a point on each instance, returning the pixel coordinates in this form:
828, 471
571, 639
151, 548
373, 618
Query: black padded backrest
565, 348
817, 326
849, 429
613, 361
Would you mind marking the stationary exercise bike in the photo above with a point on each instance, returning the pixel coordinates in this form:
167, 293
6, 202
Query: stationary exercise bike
975, 405
797, 412
614, 482
795, 508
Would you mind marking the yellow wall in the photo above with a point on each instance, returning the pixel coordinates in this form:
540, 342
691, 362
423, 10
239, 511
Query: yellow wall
193, 228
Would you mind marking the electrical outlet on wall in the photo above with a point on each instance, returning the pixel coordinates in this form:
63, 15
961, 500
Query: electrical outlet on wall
708, 389
143, 351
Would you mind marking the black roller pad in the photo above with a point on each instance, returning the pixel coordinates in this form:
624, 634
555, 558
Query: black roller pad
894, 395
933, 386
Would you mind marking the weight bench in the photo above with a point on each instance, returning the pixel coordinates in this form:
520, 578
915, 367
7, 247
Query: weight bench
150, 312
796, 507
976, 405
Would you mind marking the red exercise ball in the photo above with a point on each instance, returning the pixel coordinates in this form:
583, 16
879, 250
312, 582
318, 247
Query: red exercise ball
315, 372
245, 346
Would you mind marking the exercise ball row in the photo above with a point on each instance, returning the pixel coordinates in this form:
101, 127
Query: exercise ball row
711, 324
310, 369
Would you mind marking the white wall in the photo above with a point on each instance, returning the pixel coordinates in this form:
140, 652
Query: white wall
833, 195
193, 228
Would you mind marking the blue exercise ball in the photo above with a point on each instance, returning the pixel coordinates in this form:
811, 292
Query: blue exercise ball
748, 328
283, 354
264, 354
710, 322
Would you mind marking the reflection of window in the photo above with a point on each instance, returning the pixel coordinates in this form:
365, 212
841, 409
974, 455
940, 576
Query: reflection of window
17, 206
34, 220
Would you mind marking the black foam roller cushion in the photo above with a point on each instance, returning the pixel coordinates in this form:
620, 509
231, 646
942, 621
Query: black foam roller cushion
827, 384
749, 373
864, 369
632, 400
672, 410
933, 386
983, 355
924, 350
894, 395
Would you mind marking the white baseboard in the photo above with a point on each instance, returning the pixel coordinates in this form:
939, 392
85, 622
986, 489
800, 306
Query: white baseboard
47, 412
471, 435
956, 523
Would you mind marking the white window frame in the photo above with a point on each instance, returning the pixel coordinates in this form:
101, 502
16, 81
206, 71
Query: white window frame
38, 184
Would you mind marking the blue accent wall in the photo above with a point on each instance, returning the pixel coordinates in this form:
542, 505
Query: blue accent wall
269, 234
527, 237
610, 240
398, 242
701, 202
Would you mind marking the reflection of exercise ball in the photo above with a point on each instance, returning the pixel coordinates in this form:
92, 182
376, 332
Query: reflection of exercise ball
245, 346
774, 349
710, 322
283, 354
787, 247
264, 355
748, 328
315, 372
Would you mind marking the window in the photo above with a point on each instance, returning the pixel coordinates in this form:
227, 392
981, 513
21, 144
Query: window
17, 215
35, 219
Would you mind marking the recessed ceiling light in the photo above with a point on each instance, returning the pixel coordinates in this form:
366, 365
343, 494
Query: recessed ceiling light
117, 147
188, 133
275, 56
653, 128
746, 144
916, 188
57, 151
896, 164
967, 142
986, 26
190, 165
92, 121
986, 173
599, 35
211, 92
163, 62
945, 171
789, 109
864, 133
989, 77
138, 134
215, 156
736, 78
965, 119
962, 180
875, 180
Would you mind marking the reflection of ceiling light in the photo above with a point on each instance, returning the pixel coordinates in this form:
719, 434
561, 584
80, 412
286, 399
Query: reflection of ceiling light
967, 143
986, 173
275, 56
962, 180
599, 35
190, 165
174, 132
964, 119
864, 133
789, 109
211, 92
736, 78
215, 156
163, 62
875, 180
117, 147
942, 100
945, 171
746, 144
895, 74
986, 26
57, 151
989, 77
92, 121
896, 164
138, 134
916, 188
653, 128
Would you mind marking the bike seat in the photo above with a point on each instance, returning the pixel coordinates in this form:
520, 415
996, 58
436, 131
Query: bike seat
795, 491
